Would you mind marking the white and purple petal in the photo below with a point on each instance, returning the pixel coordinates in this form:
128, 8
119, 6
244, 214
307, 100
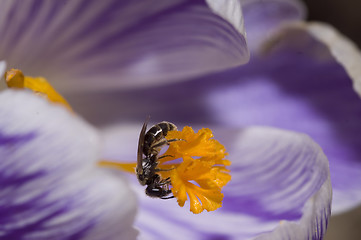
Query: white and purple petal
280, 189
51, 187
82, 44
342, 49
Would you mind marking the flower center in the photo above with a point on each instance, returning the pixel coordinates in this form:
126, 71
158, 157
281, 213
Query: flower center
201, 174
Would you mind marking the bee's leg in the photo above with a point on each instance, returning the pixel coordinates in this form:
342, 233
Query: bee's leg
165, 181
163, 156
164, 170
167, 197
160, 170
157, 180
174, 140
156, 147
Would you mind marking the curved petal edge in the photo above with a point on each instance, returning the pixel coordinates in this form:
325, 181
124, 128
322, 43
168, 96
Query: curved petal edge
298, 173
230, 11
342, 49
263, 18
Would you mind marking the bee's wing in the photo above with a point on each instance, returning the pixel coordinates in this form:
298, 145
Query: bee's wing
140, 146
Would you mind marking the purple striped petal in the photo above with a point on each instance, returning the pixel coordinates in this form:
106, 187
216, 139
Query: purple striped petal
331, 109
264, 17
298, 86
87, 44
50, 185
280, 189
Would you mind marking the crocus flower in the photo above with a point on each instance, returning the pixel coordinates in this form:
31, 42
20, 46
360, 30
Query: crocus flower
301, 77
127, 60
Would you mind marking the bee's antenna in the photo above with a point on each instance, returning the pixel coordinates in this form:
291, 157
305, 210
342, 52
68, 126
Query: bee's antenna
147, 118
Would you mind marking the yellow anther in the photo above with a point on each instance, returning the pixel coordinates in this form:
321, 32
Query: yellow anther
39, 85
14, 78
202, 173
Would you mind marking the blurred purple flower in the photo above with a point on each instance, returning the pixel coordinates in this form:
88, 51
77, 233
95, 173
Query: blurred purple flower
117, 61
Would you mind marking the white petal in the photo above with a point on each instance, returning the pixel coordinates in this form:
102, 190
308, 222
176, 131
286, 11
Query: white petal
2, 67
2, 71
51, 187
231, 11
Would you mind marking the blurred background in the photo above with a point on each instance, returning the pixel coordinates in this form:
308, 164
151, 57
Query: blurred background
345, 15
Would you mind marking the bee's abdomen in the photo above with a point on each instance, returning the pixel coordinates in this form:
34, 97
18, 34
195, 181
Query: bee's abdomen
166, 127
156, 134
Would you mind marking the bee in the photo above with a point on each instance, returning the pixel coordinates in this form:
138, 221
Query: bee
149, 145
